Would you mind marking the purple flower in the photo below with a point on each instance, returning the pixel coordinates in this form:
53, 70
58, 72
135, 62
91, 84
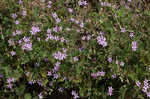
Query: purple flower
148, 94
18, 32
14, 15
138, 84
59, 55
113, 76
13, 53
102, 41
1, 75
9, 85
26, 39
16, 22
27, 46
131, 34
54, 15
121, 63
110, 59
74, 94
134, 46
117, 62
94, 75
40, 95
58, 20
20, 2
123, 30
75, 58
100, 73
70, 10
146, 86
11, 42
48, 30
34, 30
49, 73
82, 25
110, 89
24, 13
60, 89
55, 76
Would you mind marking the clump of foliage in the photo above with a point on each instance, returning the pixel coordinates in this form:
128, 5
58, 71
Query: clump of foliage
88, 49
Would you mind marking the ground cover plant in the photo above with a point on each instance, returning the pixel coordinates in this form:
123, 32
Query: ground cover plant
74, 49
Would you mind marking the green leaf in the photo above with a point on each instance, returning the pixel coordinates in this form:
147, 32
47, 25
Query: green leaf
27, 96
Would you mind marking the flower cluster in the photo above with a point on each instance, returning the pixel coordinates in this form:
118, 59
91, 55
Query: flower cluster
97, 74
59, 55
34, 30
26, 43
102, 40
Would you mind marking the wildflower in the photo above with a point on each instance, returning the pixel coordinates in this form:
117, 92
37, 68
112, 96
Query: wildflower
82, 25
16, 22
56, 76
134, 46
34, 30
110, 59
13, 53
48, 30
74, 94
18, 32
40, 95
84, 37
110, 89
102, 41
121, 63
1, 75
9, 82
70, 10
59, 55
20, 2
94, 75
145, 87
138, 83
123, 30
26, 39
27, 46
60, 89
75, 58
54, 15
100, 73
49, 73
55, 29
58, 20
113, 76
148, 94
131, 34
14, 15
24, 13
11, 42
117, 62
88, 37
